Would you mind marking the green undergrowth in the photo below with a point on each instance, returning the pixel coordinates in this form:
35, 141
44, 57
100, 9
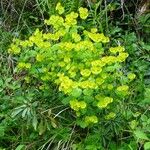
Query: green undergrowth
57, 93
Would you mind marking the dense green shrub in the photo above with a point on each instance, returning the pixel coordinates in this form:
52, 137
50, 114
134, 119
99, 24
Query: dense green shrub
73, 85
87, 71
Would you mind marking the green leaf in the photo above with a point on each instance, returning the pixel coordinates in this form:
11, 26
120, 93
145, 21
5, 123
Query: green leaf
146, 96
34, 122
41, 127
24, 112
88, 92
147, 93
147, 47
147, 146
76, 92
20, 147
141, 135
53, 122
66, 100
81, 123
1, 82
88, 99
17, 111
91, 147
2, 131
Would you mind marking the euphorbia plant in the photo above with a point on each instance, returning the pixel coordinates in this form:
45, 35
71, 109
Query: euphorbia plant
87, 71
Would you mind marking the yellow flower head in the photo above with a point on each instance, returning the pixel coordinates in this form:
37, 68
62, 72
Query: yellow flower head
98, 37
116, 49
91, 119
131, 76
94, 30
83, 12
76, 37
77, 105
123, 88
82, 104
85, 72
23, 65
56, 21
96, 70
14, 49
28, 65
39, 57
60, 8
67, 59
122, 56
99, 81
45, 77
104, 102
70, 19
87, 84
97, 63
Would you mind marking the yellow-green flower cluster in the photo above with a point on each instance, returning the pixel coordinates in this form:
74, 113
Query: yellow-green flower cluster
60, 8
84, 45
66, 84
26, 43
54, 36
131, 76
96, 70
70, 19
104, 102
56, 21
23, 65
39, 57
109, 59
91, 119
37, 39
98, 63
123, 88
93, 30
83, 12
119, 49
111, 115
67, 46
100, 81
98, 37
110, 86
85, 72
14, 49
122, 57
76, 37
87, 84
77, 105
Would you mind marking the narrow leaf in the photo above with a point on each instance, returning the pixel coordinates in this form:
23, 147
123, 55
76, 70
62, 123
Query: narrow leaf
147, 146
20, 147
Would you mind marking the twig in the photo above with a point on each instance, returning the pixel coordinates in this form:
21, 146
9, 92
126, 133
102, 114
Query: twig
21, 15
122, 5
60, 112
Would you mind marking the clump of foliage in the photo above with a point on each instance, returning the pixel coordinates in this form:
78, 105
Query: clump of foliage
72, 84
86, 69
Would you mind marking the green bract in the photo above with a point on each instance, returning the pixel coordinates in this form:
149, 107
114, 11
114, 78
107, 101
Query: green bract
78, 62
